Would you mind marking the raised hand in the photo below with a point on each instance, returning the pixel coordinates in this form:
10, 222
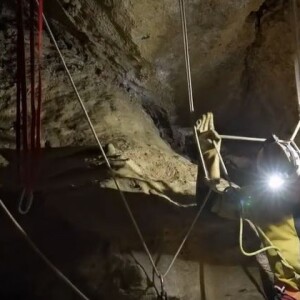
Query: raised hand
210, 143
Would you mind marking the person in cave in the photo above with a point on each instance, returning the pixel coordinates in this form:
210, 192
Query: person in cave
268, 202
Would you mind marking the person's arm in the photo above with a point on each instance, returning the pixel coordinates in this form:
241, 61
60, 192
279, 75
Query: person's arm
210, 142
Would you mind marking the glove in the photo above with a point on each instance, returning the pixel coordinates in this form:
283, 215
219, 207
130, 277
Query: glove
208, 138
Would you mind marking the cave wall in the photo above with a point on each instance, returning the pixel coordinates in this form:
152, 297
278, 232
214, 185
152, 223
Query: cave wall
131, 52
127, 61
80, 223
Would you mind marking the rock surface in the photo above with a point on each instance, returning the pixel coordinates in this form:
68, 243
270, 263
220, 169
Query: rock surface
79, 221
127, 60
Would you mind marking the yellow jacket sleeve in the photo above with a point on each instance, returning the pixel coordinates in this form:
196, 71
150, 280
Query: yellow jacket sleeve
283, 235
278, 229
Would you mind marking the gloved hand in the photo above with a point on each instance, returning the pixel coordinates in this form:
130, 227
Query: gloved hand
207, 135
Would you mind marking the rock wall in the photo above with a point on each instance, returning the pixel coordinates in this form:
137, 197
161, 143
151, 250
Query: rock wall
122, 52
126, 57
79, 221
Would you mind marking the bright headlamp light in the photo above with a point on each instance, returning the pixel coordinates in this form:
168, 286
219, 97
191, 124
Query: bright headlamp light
276, 182
278, 163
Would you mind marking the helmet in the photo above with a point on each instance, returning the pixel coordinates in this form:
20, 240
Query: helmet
278, 161
280, 156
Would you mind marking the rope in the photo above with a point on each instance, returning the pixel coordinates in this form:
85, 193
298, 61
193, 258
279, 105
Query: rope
295, 146
222, 164
264, 249
26, 198
138, 231
188, 233
241, 242
25, 201
242, 226
32, 75
297, 60
39, 50
242, 138
296, 64
186, 54
19, 87
28, 151
22, 113
201, 154
297, 75
262, 234
22, 76
241, 218
125, 202
39, 252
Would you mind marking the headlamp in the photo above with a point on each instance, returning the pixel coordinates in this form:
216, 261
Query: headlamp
276, 182
278, 163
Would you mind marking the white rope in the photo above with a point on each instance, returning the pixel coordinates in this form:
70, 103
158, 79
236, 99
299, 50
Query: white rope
295, 15
296, 69
186, 55
201, 154
295, 146
296, 65
297, 60
40, 253
295, 132
242, 138
188, 233
222, 163
113, 176
249, 254
242, 221
100, 147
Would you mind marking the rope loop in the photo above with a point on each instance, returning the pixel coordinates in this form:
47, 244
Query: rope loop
25, 202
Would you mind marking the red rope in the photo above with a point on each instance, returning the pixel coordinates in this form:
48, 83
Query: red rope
32, 75
18, 110
28, 155
22, 68
21, 111
39, 104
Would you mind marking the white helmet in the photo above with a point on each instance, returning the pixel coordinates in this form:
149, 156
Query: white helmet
279, 156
